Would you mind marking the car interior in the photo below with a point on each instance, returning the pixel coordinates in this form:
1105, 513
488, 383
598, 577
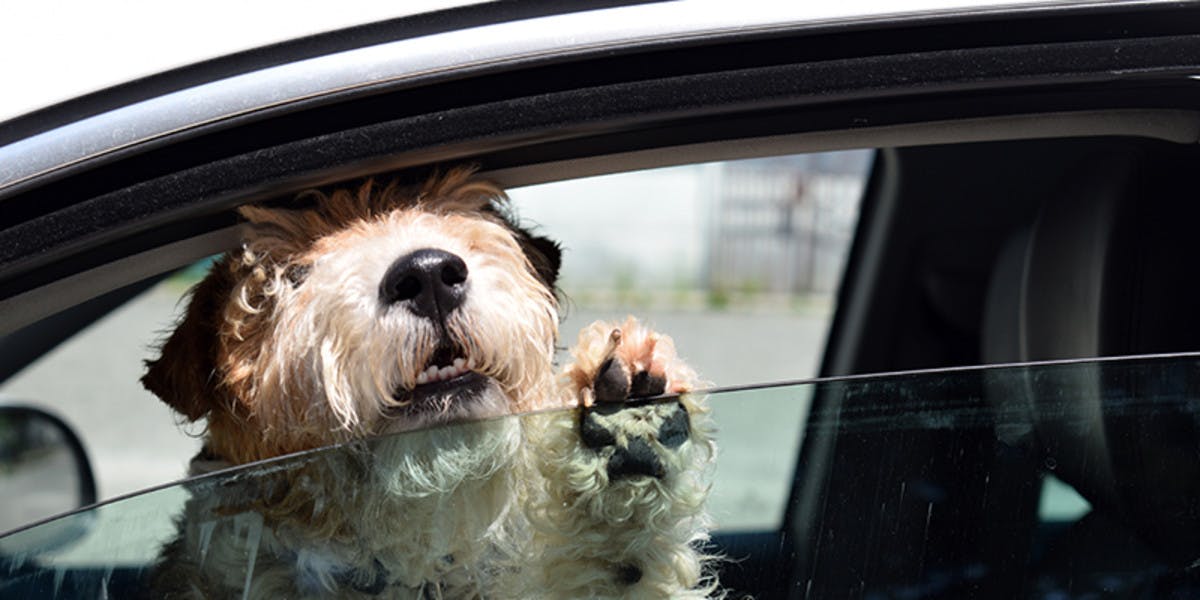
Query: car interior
1007, 252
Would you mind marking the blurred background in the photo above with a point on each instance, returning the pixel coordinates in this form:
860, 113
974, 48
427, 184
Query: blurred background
748, 253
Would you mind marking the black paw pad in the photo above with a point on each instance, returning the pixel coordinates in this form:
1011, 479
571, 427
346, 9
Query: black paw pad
630, 438
636, 459
592, 432
612, 382
644, 385
675, 429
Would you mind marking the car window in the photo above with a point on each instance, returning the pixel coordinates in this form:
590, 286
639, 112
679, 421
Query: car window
1029, 422
738, 261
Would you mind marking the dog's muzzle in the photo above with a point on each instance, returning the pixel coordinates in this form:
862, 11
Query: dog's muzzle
441, 396
429, 282
448, 386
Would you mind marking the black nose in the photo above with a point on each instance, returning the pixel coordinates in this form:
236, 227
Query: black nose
430, 282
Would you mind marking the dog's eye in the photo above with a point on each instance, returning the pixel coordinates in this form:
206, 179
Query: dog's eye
296, 274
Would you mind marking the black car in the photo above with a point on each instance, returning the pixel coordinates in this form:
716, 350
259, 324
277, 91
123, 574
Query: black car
1007, 399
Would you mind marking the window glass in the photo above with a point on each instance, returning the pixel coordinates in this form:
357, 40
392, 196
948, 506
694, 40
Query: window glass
957, 502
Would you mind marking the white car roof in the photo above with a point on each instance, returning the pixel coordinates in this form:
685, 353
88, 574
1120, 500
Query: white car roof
404, 62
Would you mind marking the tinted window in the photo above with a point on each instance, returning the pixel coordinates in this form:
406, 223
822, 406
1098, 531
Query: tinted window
1049, 481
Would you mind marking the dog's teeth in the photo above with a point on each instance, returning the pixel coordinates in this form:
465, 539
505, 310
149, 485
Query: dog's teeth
470, 363
435, 373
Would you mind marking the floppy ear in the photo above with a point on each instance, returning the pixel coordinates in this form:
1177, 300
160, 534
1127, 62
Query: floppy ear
184, 375
544, 254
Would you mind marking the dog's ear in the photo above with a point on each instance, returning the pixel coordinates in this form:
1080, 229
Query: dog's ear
184, 375
544, 254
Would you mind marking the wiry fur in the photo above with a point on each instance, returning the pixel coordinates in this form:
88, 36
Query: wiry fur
287, 347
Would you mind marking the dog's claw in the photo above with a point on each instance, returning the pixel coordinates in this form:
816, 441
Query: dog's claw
614, 340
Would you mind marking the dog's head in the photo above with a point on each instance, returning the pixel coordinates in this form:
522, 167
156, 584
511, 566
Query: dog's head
376, 310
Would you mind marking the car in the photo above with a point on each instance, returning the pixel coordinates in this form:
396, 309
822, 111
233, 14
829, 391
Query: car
1006, 400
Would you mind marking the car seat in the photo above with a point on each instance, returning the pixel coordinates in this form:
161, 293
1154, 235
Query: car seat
1109, 268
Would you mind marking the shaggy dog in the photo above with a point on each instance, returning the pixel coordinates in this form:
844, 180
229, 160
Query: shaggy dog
374, 311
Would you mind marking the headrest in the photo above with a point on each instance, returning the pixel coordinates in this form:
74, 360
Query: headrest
1109, 268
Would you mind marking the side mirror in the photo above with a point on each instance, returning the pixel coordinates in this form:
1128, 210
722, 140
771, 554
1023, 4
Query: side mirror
44, 471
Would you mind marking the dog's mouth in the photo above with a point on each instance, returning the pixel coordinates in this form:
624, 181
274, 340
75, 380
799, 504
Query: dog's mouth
449, 381
446, 365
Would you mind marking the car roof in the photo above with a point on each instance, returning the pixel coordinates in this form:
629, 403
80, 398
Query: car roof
453, 52
142, 39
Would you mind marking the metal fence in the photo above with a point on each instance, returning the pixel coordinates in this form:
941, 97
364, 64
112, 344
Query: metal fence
783, 225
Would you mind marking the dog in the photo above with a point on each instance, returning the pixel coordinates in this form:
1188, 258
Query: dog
364, 312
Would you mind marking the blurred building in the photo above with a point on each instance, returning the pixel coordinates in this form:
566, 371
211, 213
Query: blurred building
783, 225
702, 233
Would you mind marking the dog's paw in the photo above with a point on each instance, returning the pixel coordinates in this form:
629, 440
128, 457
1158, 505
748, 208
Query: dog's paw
625, 478
615, 367
635, 441
614, 363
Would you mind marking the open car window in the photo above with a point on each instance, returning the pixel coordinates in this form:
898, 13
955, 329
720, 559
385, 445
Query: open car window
704, 261
738, 261
1038, 476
